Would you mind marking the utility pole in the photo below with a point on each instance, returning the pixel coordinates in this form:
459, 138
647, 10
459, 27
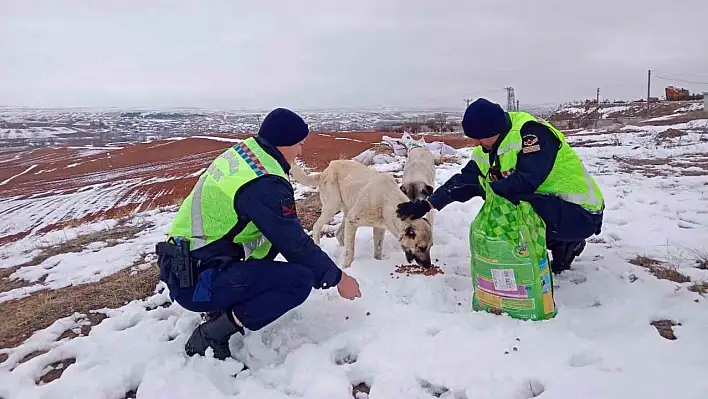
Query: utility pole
648, 91
597, 107
510, 98
517, 105
468, 101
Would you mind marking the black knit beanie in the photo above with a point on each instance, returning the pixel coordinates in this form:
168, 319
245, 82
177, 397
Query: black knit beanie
283, 128
484, 119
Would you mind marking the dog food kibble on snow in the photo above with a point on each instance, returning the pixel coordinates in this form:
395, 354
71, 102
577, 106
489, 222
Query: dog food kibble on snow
416, 269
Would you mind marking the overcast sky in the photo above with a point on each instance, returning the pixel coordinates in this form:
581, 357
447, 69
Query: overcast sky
310, 54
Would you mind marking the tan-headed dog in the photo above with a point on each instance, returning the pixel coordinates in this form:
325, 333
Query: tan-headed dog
418, 181
367, 198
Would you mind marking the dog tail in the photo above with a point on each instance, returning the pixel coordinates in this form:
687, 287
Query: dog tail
301, 177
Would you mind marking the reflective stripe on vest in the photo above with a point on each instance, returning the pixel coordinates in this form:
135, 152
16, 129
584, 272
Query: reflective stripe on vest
580, 199
250, 246
198, 237
485, 158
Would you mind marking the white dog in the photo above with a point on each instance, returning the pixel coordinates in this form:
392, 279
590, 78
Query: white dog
367, 198
418, 181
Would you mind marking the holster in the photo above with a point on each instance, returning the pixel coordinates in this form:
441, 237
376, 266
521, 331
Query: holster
175, 262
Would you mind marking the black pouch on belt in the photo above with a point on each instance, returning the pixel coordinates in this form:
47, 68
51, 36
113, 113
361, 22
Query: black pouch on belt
180, 261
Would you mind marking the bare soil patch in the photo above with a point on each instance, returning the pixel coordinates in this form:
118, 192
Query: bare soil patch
665, 328
652, 167
166, 170
360, 388
591, 144
8, 284
56, 369
670, 134
41, 309
309, 209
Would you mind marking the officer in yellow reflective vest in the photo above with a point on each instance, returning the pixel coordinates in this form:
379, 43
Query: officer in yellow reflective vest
525, 159
219, 256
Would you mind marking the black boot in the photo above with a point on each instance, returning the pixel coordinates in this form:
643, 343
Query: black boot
578, 249
214, 333
559, 265
206, 316
564, 254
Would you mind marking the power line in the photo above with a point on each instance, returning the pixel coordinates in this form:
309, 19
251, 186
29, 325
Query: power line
679, 80
704, 74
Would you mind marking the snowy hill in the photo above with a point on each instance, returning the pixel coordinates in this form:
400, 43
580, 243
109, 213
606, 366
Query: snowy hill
52, 188
409, 336
584, 115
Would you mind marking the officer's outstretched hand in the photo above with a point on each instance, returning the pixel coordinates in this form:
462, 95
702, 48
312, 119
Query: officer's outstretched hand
348, 287
413, 209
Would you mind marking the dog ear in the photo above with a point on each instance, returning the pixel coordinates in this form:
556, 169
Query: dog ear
410, 232
427, 190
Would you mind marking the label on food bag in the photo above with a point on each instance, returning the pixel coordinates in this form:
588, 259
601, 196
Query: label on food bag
504, 279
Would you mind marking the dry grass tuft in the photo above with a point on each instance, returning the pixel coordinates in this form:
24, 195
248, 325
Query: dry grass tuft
112, 237
700, 288
659, 270
41, 309
701, 260
645, 261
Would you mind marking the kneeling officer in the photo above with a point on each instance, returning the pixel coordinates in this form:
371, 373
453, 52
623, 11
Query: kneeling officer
219, 256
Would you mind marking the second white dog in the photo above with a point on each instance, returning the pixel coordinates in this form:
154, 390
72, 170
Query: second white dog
419, 176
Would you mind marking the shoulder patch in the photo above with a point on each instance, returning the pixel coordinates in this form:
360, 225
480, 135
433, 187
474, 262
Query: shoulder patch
288, 209
529, 140
530, 144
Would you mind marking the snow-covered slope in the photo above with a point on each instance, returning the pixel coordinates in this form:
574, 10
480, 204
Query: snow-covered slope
416, 337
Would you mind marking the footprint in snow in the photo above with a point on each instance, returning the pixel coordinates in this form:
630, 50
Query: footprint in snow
572, 276
533, 388
345, 356
433, 331
433, 389
583, 359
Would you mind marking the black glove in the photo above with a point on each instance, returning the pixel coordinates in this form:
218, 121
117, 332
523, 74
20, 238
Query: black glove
413, 209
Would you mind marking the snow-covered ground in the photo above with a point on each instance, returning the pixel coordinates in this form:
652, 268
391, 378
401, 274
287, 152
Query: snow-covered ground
415, 336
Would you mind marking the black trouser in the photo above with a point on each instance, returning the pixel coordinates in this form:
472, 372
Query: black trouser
257, 291
567, 225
